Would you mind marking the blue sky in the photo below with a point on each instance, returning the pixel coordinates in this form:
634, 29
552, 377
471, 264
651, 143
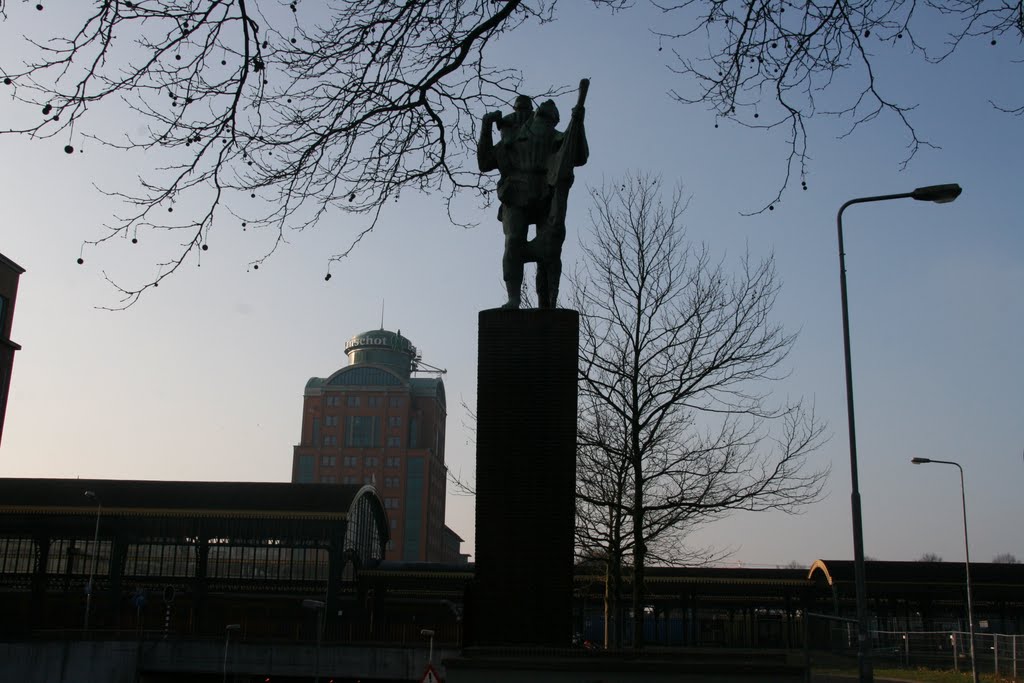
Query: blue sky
203, 379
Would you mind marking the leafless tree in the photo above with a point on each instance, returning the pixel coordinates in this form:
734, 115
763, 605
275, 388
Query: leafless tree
603, 525
930, 557
1005, 558
271, 114
676, 361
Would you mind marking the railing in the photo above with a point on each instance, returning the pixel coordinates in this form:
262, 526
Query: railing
1000, 654
996, 653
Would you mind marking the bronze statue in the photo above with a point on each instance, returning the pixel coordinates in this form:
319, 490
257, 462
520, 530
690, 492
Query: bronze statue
535, 163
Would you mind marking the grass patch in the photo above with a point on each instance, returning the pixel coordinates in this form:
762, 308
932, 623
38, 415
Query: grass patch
925, 675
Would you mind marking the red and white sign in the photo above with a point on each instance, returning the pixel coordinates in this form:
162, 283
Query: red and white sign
430, 675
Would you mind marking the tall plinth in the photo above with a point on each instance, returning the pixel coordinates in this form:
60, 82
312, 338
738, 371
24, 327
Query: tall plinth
525, 478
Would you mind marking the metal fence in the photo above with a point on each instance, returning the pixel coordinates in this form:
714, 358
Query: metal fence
999, 654
995, 653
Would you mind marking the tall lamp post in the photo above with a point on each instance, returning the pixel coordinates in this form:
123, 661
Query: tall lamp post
227, 640
95, 555
940, 194
317, 605
967, 553
429, 633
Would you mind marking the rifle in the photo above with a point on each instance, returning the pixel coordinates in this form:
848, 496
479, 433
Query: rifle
563, 162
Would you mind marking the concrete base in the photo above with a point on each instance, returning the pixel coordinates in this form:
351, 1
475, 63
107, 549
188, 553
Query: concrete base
483, 665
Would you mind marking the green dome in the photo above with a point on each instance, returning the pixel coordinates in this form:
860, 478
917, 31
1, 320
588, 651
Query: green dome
382, 347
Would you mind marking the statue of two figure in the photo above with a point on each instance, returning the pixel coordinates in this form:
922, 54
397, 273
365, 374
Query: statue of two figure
535, 162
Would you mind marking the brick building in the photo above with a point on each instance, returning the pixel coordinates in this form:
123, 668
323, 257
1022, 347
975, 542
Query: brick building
10, 272
372, 422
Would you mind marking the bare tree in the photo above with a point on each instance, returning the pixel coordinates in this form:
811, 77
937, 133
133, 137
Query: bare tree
930, 557
1005, 558
676, 360
603, 524
272, 114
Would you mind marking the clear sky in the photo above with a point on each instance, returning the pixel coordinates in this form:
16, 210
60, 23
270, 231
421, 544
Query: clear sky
203, 378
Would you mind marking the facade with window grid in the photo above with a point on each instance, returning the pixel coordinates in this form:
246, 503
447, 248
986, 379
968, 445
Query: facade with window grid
372, 422
213, 545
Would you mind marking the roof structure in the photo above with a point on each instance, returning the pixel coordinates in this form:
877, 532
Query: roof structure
252, 498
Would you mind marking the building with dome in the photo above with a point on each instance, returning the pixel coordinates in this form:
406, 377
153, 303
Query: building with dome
372, 422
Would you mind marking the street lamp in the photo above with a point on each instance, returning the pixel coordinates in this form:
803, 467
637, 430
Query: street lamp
317, 605
95, 555
427, 633
227, 639
967, 553
940, 194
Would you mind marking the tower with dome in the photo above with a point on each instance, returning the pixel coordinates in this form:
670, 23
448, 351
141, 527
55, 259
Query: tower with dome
375, 422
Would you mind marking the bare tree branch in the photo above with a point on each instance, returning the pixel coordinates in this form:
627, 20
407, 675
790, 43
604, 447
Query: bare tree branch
286, 112
767, 64
271, 115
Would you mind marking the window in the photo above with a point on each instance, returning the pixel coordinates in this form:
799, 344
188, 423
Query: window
391, 503
414, 480
370, 461
350, 461
395, 402
17, 555
392, 461
330, 441
258, 561
395, 421
328, 460
349, 480
328, 479
362, 431
331, 421
161, 557
394, 523
353, 401
391, 482
368, 481
374, 401
414, 433
76, 556
394, 442
304, 469
333, 401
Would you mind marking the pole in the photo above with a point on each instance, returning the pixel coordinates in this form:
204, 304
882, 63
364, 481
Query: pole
319, 637
967, 555
940, 194
95, 557
227, 639
319, 607
1014, 655
967, 566
429, 633
864, 669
